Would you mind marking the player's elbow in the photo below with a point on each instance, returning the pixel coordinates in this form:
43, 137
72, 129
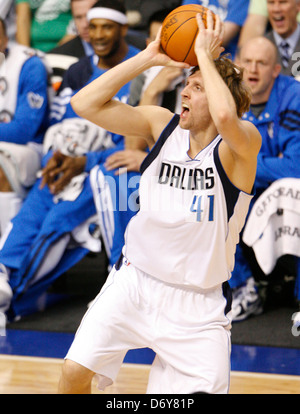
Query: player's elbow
86, 108
77, 105
225, 118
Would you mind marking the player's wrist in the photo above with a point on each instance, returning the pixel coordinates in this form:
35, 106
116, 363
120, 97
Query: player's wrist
203, 55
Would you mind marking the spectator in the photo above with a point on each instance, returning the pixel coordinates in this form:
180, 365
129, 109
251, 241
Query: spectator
233, 13
80, 45
257, 21
8, 14
42, 24
285, 34
275, 112
23, 120
61, 57
139, 12
35, 252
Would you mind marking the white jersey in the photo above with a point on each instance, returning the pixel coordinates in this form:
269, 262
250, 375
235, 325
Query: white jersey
190, 214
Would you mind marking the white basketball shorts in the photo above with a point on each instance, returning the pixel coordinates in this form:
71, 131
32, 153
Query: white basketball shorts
187, 329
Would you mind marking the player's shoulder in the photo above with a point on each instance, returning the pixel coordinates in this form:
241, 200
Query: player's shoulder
250, 128
156, 115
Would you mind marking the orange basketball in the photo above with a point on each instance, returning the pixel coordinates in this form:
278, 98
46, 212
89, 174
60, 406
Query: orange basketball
179, 31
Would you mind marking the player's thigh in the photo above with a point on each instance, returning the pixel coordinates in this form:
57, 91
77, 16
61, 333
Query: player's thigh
193, 365
110, 327
193, 345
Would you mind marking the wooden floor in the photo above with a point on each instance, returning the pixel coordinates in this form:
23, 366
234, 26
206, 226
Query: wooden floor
27, 375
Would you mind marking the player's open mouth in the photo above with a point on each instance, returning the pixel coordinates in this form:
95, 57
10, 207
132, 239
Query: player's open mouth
185, 109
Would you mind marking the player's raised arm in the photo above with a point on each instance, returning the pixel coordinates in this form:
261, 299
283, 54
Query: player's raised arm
241, 140
221, 102
95, 101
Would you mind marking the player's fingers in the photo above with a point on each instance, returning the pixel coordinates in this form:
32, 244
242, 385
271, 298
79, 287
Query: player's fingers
113, 165
114, 161
55, 171
42, 183
218, 25
51, 164
219, 28
60, 184
200, 22
158, 36
210, 20
112, 158
222, 30
175, 63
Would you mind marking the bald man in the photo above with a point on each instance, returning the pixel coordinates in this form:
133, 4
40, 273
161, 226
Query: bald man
275, 111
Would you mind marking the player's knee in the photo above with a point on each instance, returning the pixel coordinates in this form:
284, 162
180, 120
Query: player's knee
75, 379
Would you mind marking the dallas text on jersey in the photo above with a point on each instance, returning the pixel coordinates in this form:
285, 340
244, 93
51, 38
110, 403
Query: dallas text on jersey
186, 178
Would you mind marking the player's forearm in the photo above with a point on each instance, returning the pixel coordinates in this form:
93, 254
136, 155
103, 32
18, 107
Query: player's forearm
220, 100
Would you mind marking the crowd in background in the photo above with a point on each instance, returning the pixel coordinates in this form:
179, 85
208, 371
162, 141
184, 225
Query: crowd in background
50, 216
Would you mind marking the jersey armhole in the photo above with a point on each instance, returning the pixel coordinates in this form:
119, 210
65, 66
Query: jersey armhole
159, 143
231, 192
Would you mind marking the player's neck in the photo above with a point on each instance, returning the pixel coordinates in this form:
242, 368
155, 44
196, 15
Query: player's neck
201, 140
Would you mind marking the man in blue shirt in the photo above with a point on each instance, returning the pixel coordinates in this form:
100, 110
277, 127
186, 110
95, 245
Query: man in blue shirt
275, 111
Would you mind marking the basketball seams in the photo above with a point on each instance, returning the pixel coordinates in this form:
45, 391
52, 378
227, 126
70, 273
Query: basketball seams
177, 28
192, 44
179, 31
202, 13
187, 11
200, 9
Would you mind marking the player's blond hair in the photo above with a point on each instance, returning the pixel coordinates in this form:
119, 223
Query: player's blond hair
233, 77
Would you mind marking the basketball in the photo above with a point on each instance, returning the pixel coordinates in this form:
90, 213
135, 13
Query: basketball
179, 31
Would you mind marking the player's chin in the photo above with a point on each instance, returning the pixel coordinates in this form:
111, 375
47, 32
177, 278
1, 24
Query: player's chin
183, 123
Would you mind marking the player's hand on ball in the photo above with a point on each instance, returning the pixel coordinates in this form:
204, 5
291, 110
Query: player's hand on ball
210, 38
158, 57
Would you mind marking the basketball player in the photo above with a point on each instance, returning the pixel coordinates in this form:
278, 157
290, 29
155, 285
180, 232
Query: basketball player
169, 290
